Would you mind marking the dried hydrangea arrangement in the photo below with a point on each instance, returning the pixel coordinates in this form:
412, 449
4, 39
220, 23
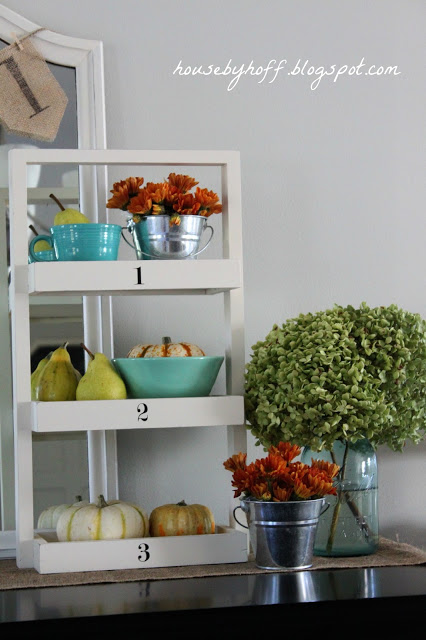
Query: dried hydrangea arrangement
341, 374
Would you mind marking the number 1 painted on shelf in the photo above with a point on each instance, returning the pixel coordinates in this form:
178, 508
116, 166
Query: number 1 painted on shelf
139, 272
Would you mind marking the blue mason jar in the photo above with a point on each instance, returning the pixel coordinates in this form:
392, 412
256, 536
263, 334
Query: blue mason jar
350, 526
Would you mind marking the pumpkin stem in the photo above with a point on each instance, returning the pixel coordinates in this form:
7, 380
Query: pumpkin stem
182, 503
166, 340
101, 502
78, 498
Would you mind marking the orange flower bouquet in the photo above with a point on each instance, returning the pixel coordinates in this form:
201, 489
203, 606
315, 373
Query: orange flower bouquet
173, 197
276, 478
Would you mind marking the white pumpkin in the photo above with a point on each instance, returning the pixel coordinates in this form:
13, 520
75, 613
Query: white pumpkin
102, 521
167, 349
49, 517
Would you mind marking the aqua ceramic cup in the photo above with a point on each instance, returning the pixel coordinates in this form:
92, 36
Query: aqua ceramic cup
41, 256
84, 242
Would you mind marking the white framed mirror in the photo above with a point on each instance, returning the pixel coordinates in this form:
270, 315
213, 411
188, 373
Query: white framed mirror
78, 66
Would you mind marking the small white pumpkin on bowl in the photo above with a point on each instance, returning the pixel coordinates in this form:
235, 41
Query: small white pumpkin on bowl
167, 349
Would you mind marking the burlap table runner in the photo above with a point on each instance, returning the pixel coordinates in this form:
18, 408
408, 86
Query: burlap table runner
389, 554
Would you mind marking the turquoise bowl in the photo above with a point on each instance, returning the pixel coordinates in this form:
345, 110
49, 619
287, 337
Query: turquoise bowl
179, 377
87, 241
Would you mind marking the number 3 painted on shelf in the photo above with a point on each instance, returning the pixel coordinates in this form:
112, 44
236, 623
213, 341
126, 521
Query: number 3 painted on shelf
143, 547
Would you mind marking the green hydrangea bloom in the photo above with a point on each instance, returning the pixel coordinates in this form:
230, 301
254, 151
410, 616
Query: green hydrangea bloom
341, 374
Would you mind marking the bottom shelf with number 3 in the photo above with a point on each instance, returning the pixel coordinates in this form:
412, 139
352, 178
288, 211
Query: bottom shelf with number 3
227, 545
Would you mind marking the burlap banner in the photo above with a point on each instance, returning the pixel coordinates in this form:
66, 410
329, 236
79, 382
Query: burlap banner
32, 102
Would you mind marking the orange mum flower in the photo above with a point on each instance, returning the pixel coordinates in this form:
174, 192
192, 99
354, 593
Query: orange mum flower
186, 204
172, 196
261, 491
123, 191
301, 490
320, 484
140, 204
330, 468
241, 481
297, 469
287, 450
237, 461
208, 200
157, 191
281, 493
181, 182
273, 466
275, 478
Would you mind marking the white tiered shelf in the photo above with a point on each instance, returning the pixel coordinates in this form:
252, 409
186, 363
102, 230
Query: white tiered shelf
154, 413
129, 277
96, 281
226, 545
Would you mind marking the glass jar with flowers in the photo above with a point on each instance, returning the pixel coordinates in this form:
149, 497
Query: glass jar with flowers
166, 219
340, 383
283, 500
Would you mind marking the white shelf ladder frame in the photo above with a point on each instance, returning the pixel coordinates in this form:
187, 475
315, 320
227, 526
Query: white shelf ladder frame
102, 465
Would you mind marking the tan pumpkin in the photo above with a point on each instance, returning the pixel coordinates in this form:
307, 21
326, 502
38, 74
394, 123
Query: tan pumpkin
103, 521
167, 349
48, 518
181, 519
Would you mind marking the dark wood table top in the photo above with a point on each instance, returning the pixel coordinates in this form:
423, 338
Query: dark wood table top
363, 599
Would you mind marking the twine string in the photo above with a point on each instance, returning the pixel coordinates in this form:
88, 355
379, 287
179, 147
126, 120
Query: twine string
18, 41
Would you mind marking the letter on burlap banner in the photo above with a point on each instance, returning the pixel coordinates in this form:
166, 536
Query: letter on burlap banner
32, 102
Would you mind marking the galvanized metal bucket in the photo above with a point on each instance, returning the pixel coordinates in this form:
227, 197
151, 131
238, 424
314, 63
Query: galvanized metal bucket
282, 534
155, 239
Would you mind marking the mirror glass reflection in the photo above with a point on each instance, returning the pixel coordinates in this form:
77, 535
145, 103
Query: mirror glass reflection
60, 461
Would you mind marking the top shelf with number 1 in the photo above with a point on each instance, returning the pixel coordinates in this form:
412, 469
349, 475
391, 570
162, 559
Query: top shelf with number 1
128, 277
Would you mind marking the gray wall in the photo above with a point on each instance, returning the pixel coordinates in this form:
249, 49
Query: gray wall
332, 182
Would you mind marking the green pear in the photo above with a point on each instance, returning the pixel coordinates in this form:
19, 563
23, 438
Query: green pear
101, 380
37, 373
42, 245
68, 216
58, 380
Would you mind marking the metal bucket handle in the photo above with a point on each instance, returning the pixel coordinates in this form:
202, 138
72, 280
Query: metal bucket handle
323, 510
236, 519
190, 255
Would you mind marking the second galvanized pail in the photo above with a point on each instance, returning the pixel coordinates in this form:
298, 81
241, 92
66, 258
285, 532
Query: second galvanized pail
155, 239
282, 534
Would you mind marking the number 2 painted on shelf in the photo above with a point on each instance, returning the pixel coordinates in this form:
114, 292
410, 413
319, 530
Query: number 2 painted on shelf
145, 555
142, 410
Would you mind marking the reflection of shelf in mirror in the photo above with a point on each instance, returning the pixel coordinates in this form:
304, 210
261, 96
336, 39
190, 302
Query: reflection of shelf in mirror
40, 195
55, 305
149, 413
127, 277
